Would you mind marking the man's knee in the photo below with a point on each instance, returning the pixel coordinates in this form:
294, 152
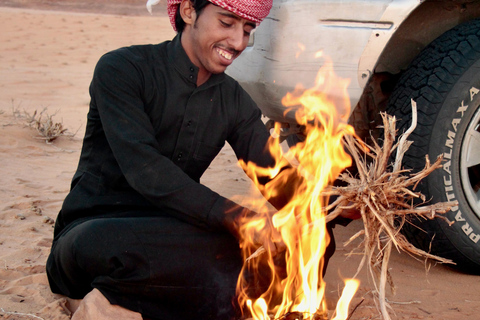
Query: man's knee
91, 249
64, 274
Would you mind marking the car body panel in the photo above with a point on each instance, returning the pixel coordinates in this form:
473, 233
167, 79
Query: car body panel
285, 45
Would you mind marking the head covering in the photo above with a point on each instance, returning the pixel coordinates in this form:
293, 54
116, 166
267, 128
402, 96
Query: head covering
253, 10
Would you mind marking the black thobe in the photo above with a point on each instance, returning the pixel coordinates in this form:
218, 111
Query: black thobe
137, 224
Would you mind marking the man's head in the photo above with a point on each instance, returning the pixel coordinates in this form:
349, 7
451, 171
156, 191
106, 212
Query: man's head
253, 10
212, 35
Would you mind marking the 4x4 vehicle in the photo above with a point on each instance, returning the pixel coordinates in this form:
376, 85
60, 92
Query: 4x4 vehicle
393, 51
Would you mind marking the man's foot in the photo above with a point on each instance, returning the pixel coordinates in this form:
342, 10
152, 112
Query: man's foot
95, 306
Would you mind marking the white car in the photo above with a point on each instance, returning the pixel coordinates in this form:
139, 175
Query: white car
392, 51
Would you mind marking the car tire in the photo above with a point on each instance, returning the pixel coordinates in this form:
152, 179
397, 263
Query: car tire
444, 80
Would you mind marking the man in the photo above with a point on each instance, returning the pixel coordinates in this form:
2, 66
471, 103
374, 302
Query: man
137, 226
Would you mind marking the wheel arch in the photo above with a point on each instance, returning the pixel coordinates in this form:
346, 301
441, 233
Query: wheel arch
426, 22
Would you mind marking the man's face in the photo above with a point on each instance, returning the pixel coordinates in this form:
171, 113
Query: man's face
216, 38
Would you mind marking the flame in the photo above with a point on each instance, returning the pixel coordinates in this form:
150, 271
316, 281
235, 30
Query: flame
298, 285
351, 287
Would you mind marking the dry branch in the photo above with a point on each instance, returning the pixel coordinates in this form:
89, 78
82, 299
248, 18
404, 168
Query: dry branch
385, 199
384, 193
20, 314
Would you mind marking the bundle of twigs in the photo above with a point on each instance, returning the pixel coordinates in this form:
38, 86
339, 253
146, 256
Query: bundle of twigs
384, 197
384, 194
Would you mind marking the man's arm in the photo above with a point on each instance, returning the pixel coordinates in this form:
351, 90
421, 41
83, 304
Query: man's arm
117, 92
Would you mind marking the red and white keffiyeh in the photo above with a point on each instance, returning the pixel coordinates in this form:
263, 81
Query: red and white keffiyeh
253, 10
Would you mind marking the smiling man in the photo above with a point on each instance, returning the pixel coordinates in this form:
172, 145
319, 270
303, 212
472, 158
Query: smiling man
212, 47
139, 235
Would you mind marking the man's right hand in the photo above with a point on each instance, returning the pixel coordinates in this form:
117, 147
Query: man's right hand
271, 240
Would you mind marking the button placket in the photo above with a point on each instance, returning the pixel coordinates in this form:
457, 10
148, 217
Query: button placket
186, 137
192, 75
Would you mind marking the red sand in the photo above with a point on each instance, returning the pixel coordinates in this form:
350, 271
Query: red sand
46, 61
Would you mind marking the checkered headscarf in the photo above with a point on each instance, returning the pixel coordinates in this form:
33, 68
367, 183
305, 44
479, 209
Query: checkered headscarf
253, 10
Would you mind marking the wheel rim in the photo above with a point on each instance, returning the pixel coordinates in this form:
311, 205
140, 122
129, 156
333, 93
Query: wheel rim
470, 163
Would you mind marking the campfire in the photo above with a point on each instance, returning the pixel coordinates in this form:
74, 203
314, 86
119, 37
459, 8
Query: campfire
381, 191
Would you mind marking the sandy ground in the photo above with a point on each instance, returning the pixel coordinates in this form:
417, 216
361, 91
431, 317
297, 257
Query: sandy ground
46, 61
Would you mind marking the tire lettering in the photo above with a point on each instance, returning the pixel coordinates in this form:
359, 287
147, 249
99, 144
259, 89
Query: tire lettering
447, 178
447, 182
447, 155
446, 168
474, 237
467, 229
455, 123
450, 196
450, 139
462, 110
473, 92
458, 216
469, 232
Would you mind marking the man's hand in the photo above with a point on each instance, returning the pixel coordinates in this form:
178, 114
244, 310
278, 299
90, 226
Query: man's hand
268, 237
351, 213
271, 241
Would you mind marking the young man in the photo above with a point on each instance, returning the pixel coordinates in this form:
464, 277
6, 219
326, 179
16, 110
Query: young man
137, 226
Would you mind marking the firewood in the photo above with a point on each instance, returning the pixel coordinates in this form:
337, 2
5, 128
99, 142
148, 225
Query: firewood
385, 195
385, 198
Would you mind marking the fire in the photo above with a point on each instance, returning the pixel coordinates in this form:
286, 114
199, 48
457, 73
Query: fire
294, 281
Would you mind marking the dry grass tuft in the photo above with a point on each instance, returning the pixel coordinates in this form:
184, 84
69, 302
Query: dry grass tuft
46, 128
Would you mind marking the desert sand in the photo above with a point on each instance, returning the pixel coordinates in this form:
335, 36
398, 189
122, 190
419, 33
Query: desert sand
47, 55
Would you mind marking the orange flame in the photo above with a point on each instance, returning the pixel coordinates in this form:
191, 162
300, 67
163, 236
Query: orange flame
300, 225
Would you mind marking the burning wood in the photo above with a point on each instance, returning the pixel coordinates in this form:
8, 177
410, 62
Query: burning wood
383, 194
385, 198
296, 287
